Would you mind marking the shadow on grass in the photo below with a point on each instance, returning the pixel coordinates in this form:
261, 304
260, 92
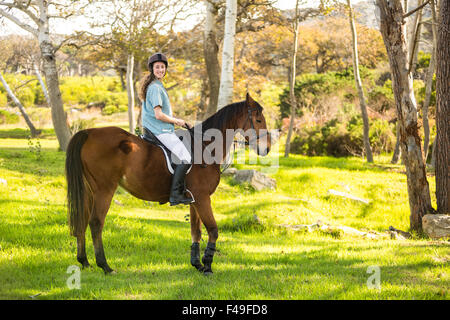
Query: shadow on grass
152, 260
48, 163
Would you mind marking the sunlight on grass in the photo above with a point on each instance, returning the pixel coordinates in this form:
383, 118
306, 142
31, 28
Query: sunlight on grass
149, 244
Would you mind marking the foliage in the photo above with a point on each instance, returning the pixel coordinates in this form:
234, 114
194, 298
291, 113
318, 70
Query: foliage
7, 117
344, 139
309, 88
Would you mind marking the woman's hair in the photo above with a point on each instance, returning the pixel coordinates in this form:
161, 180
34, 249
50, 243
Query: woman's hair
144, 85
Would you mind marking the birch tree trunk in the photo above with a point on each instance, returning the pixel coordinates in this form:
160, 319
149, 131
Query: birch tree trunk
41, 82
443, 109
358, 83
130, 93
211, 52
429, 83
226, 76
16, 101
59, 117
292, 98
392, 27
415, 36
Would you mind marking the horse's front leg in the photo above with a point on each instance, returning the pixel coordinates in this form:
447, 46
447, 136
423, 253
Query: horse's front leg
204, 211
196, 235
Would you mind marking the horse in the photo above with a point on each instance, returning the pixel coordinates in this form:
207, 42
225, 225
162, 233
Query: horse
98, 160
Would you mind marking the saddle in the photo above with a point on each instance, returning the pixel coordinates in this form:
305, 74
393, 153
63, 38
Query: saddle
171, 159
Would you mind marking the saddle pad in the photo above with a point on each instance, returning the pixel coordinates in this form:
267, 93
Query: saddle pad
168, 155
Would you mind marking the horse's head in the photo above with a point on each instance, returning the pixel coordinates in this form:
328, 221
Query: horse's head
255, 128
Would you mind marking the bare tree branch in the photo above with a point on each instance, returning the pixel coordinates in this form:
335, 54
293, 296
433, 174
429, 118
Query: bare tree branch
24, 26
416, 9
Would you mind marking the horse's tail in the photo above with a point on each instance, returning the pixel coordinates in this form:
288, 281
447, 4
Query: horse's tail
77, 185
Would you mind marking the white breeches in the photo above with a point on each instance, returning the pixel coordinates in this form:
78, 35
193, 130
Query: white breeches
174, 144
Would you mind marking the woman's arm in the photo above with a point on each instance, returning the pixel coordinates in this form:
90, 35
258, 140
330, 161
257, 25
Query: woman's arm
164, 117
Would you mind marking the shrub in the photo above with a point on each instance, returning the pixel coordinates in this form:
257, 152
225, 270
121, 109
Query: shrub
3, 99
109, 110
344, 139
8, 117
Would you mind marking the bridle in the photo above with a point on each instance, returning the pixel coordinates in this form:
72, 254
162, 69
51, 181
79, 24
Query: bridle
247, 143
252, 126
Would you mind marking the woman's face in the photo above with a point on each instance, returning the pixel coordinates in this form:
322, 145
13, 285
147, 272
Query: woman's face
159, 69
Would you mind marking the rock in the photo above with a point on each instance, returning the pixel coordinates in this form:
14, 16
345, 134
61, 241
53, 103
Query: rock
229, 172
436, 225
256, 179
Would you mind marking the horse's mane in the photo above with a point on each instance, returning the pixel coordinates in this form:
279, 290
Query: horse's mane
223, 116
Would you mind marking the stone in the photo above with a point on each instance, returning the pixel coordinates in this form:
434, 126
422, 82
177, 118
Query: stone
256, 179
229, 172
436, 225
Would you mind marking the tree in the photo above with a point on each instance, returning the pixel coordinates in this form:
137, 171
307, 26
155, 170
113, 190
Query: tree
211, 51
362, 99
443, 109
37, 14
226, 75
295, 29
429, 81
33, 130
392, 28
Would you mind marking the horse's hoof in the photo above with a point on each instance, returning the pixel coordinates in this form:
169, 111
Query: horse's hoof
207, 273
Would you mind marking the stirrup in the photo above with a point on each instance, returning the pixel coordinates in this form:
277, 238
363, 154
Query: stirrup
192, 196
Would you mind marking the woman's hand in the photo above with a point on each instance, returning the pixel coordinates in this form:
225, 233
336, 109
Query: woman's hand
180, 122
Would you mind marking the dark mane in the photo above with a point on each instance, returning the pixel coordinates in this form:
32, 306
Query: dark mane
223, 116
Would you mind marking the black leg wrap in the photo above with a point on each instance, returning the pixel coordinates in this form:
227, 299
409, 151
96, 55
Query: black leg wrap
208, 257
195, 256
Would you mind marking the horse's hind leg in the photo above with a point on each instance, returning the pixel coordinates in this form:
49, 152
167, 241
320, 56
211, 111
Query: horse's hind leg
81, 250
102, 201
204, 210
196, 234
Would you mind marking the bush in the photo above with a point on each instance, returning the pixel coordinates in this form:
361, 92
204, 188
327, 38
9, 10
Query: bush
109, 110
344, 139
3, 99
8, 117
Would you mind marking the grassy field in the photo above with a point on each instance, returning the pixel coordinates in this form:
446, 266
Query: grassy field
149, 244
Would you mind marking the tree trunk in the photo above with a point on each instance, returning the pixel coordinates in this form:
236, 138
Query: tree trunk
292, 99
362, 99
130, 93
396, 154
226, 76
443, 108
415, 36
59, 117
13, 97
429, 83
211, 52
393, 31
41, 82
203, 108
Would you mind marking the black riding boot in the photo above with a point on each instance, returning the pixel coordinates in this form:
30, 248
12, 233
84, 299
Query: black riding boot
178, 188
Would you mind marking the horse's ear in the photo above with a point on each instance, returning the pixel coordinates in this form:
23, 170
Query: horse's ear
248, 98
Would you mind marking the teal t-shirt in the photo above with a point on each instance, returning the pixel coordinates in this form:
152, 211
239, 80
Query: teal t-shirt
156, 96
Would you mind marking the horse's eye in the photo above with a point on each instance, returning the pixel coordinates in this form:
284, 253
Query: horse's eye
259, 121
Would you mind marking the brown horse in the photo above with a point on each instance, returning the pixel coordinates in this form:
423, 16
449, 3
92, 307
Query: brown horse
100, 159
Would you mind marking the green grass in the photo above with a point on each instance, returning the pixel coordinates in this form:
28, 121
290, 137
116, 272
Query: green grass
148, 244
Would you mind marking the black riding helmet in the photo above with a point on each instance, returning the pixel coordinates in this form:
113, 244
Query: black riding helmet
155, 58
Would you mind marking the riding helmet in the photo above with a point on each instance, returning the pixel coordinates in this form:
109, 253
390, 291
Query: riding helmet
157, 57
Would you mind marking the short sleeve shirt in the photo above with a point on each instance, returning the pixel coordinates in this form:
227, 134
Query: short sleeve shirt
156, 96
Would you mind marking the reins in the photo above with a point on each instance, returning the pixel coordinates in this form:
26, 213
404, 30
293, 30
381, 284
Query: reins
247, 143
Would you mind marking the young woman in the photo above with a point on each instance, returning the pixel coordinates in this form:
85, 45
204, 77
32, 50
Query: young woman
158, 119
